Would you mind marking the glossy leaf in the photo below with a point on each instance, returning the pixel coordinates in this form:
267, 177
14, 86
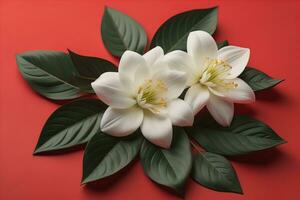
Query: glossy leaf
70, 125
244, 135
258, 80
215, 172
90, 68
49, 73
168, 167
120, 33
172, 35
105, 155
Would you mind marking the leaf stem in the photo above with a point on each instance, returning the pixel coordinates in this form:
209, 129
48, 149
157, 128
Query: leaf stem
196, 146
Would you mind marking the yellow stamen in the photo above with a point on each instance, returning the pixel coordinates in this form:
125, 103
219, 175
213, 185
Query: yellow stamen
149, 95
216, 73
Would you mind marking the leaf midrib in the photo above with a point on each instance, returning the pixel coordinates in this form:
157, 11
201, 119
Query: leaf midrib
78, 122
208, 161
185, 35
52, 75
118, 31
104, 157
239, 134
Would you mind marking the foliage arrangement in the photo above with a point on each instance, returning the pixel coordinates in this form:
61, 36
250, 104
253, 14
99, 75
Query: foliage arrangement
194, 147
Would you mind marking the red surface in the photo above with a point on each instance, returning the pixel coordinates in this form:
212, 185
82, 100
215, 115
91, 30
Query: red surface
269, 28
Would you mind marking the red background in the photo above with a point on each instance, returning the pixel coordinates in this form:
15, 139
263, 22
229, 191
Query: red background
269, 28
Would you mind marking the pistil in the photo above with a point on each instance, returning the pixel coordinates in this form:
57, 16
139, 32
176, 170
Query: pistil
215, 74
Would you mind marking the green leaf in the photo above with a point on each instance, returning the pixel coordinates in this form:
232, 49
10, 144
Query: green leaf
215, 172
90, 68
120, 33
258, 80
70, 125
49, 73
168, 167
172, 35
223, 44
244, 135
105, 155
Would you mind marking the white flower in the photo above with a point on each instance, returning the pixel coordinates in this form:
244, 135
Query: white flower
144, 93
212, 75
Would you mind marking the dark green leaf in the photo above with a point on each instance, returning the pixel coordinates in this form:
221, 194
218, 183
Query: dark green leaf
258, 80
90, 68
222, 44
70, 125
172, 35
244, 135
215, 172
49, 73
168, 167
106, 155
120, 33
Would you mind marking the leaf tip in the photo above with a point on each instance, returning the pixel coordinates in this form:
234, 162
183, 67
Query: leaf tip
19, 56
279, 80
283, 141
87, 179
83, 181
241, 192
179, 190
215, 7
108, 9
37, 151
238, 189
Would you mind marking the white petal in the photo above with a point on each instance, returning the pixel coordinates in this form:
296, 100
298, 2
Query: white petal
157, 129
180, 113
180, 60
132, 66
110, 90
197, 97
141, 75
243, 93
153, 55
236, 57
215, 91
174, 80
121, 122
159, 65
220, 109
201, 45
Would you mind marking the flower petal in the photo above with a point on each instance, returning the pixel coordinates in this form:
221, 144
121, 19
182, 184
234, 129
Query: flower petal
153, 55
132, 65
180, 113
180, 60
121, 122
236, 57
201, 45
110, 90
197, 97
175, 81
220, 109
157, 129
243, 93
215, 91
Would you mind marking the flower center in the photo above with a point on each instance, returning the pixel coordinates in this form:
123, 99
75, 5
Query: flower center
216, 73
150, 95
